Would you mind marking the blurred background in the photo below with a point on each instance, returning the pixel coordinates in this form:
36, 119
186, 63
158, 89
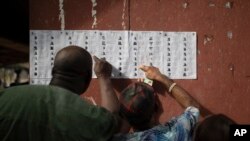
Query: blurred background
14, 43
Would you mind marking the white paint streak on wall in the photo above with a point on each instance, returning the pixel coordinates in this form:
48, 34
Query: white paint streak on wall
123, 15
94, 12
229, 5
229, 34
61, 15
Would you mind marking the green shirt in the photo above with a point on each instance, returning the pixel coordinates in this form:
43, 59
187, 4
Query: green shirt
37, 113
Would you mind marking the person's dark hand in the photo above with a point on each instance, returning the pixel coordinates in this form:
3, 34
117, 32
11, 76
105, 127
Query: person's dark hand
151, 72
102, 68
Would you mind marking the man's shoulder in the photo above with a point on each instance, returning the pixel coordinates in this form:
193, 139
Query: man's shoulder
29, 88
39, 94
25, 89
36, 89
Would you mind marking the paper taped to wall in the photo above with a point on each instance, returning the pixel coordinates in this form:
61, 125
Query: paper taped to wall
173, 52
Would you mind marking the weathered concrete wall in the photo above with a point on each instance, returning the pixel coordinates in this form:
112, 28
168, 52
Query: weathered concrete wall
223, 28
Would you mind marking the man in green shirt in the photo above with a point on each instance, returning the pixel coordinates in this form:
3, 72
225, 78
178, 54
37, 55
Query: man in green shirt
56, 112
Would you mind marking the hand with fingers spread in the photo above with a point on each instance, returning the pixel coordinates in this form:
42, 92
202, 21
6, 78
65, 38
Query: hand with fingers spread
102, 68
151, 72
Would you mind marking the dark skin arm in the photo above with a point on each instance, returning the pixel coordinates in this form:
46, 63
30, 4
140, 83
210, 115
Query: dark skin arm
180, 94
109, 99
103, 72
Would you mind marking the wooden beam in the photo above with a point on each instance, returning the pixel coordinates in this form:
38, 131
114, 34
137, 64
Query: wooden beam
14, 45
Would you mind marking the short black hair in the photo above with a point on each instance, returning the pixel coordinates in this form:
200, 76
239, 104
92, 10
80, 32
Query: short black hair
213, 128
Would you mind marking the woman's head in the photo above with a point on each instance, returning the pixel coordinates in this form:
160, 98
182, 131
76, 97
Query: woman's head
138, 104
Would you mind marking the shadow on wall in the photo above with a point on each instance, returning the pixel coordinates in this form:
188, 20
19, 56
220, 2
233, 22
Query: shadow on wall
14, 75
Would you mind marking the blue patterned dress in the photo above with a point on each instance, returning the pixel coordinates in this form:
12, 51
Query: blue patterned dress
177, 129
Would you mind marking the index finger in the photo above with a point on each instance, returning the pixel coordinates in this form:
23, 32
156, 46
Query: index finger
144, 68
96, 59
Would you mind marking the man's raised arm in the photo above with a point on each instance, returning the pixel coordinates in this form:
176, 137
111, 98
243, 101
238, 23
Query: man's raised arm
103, 72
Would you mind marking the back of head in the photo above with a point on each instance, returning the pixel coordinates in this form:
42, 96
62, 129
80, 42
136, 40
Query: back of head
214, 128
72, 69
138, 105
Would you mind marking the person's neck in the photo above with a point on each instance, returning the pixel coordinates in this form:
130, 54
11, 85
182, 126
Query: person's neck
72, 84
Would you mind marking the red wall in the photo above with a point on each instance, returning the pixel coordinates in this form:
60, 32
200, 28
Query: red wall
223, 63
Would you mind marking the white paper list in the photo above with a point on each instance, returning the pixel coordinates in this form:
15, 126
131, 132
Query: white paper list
174, 53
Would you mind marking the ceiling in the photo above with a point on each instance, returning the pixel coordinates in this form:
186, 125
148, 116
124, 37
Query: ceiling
14, 32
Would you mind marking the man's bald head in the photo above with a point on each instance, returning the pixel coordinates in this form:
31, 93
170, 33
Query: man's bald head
72, 69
